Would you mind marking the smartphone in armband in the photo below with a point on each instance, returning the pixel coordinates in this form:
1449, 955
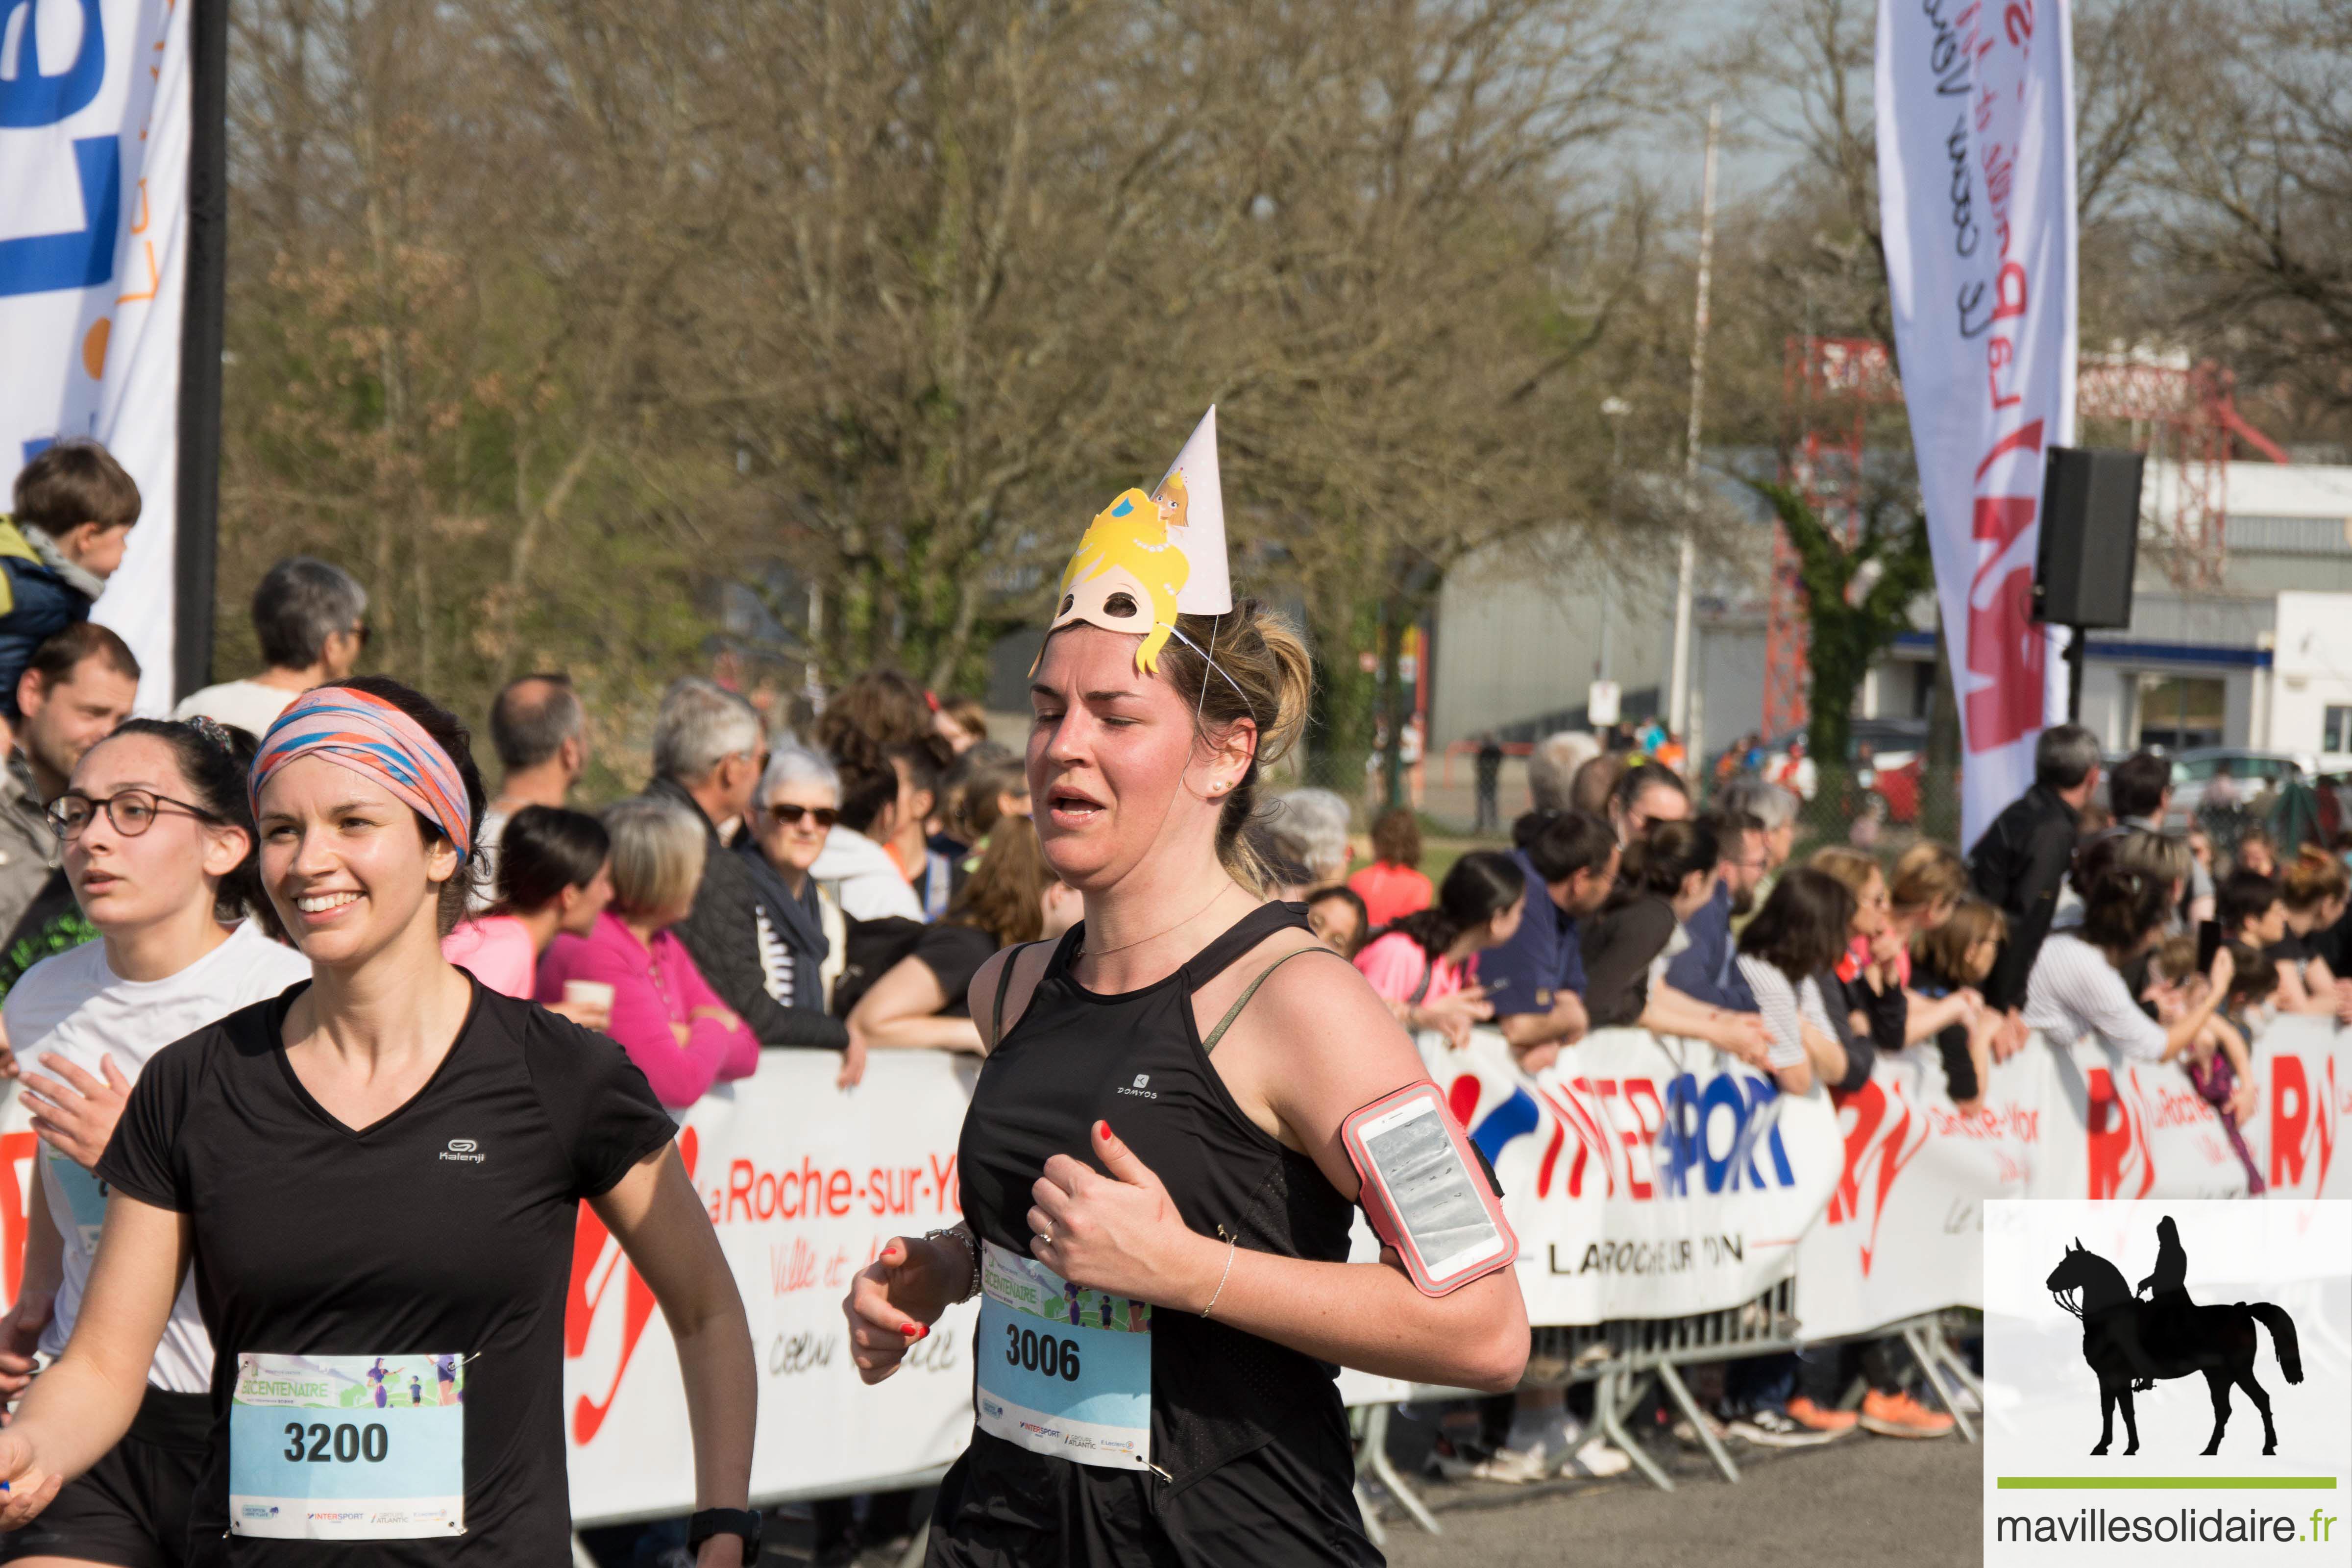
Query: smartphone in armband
1425, 1189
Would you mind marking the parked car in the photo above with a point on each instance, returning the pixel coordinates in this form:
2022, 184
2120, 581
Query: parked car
2251, 773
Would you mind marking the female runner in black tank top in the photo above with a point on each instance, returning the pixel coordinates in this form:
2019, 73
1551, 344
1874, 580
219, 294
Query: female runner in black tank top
1152, 1167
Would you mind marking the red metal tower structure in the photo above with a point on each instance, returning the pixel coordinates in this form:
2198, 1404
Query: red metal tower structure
2181, 413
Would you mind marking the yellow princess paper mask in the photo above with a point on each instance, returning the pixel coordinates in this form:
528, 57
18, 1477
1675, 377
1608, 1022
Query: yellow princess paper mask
1147, 559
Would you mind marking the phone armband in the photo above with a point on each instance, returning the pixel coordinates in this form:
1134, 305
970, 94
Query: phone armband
1427, 1192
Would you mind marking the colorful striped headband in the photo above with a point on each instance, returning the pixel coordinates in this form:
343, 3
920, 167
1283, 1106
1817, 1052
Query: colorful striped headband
371, 736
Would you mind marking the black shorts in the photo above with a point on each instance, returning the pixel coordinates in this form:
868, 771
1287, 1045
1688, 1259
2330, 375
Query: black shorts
132, 1507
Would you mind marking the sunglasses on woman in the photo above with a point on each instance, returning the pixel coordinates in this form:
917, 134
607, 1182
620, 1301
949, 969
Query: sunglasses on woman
789, 816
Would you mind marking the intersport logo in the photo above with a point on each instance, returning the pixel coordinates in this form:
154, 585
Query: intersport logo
1647, 1138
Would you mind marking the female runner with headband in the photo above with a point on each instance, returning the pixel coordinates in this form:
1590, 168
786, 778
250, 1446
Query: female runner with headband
1155, 1193
376, 1175
159, 845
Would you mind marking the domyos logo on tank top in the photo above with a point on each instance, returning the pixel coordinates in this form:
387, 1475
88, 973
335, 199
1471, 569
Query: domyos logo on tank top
1140, 1088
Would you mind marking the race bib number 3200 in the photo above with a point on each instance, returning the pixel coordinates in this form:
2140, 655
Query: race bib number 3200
347, 1448
1063, 1370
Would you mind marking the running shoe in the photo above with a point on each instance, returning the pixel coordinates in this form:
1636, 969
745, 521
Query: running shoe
1900, 1415
1597, 1458
1503, 1466
1688, 1435
1548, 1440
1770, 1428
1814, 1418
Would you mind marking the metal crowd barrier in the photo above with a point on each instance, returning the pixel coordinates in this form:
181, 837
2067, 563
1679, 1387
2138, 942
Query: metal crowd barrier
1623, 1359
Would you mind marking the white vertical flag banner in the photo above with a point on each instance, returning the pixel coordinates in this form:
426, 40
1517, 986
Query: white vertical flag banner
95, 136
1976, 192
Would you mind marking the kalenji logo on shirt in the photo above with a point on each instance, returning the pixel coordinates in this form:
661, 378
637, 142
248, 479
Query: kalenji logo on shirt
465, 1151
1139, 1092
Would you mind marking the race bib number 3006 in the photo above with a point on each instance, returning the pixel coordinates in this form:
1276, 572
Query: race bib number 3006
1063, 1370
347, 1448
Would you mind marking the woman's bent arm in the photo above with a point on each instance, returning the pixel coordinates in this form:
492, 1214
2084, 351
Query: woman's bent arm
901, 1011
659, 1222
1315, 1045
83, 1404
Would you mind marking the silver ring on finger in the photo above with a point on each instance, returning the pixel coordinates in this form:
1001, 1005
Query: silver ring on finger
1045, 1234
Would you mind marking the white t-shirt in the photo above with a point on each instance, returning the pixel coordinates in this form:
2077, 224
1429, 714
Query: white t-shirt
486, 860
247, 704
76, 1006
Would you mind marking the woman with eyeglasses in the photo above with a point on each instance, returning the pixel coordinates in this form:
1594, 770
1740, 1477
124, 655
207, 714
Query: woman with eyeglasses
160, 848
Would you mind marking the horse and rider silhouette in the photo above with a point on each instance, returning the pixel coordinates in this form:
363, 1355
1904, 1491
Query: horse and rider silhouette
2131, 1344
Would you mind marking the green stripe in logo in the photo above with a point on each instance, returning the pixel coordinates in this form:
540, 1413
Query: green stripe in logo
2166, 1483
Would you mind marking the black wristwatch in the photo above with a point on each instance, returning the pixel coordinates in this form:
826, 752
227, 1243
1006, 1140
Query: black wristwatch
711, 1521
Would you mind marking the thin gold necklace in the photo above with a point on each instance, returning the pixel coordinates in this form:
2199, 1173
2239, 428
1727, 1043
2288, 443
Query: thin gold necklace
1155, 936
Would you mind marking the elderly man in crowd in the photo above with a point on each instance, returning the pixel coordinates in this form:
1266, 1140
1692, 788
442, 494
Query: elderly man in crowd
1552, 768
540, 734
1776, 809
709, 753
310, 619
1311, 826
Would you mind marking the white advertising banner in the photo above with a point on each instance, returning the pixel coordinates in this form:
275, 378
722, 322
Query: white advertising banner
1646, 1177
2303, 1084
805, 1183
94, 238
1976, 192
1904, 1232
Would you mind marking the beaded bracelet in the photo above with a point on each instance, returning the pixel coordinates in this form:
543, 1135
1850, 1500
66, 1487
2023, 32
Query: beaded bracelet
958, 1234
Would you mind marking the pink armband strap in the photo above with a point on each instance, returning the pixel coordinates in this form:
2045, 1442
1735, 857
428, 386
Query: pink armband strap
1427, 1190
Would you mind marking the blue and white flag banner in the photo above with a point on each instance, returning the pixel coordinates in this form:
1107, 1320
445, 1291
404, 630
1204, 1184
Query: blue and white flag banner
95, 140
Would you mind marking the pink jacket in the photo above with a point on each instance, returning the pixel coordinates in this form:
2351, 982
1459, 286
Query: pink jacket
651, 990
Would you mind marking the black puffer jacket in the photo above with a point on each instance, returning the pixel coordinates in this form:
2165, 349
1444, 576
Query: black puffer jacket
2018, 867
722, 934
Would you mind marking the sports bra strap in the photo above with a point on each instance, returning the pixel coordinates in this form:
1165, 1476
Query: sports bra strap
1004, 988
1234, 1012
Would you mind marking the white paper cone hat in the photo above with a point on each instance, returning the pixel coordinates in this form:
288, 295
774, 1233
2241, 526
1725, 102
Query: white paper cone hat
1147, 559
1200, 533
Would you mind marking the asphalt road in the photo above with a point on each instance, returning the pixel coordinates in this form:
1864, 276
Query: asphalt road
1859, 1502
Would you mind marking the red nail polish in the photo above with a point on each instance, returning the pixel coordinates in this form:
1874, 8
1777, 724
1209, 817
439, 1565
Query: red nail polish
1102, 1129
913, 1330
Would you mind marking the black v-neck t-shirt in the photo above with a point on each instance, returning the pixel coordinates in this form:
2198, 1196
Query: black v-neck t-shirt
444, 1228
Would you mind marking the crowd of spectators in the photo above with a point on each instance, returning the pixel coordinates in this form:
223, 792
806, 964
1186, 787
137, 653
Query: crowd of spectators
837, 890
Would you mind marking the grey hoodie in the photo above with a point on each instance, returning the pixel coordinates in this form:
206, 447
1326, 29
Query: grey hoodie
864, 881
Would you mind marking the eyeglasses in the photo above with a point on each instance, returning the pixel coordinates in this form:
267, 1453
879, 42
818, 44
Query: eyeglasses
133, 812
789, 816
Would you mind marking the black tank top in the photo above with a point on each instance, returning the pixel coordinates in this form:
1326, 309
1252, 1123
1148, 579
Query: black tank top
1263, 1419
